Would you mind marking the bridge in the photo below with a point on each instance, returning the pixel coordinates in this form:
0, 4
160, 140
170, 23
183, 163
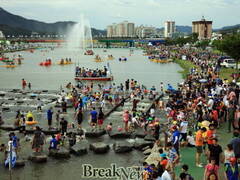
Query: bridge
107, 40
131, 41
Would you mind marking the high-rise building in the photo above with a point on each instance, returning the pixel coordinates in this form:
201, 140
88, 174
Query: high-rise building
131, 30
203, 28
169, 28
109, 31
123, 29
145, 32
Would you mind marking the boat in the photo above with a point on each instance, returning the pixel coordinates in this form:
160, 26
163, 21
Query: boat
4, 58
64, 63
89, 53
110, 78
98, 60
8, 66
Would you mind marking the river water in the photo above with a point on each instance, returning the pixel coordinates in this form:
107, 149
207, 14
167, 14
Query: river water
137, 67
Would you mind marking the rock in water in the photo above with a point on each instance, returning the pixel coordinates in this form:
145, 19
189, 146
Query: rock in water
92, 133
20, 163
38, 157
121, 134
7, 127
140, 144
149, 137
122, 147
80, 148
60, 153
140, 133
99, 148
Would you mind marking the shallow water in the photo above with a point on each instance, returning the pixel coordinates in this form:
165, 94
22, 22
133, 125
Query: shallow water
137, 67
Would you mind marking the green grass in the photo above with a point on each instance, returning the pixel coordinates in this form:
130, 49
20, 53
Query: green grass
226, 73
188, 155
186, 66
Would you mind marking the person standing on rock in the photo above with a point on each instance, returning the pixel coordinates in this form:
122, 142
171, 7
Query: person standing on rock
64, 125
49, 117
38, 140
64, 106
79, 117
127, 85
94, 116
126, 118
100, 118
24, 83
29, 86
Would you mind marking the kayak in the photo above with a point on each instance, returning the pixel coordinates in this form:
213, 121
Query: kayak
31, 122
3, 58
98, 60
45, 64
65, 63
9, 66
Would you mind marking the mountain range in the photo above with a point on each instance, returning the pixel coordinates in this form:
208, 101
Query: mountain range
18, 25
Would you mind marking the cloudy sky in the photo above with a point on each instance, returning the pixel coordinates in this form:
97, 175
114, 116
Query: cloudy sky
146, 12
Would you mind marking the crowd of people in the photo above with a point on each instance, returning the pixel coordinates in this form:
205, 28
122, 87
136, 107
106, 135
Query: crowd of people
206, 104
85, 72
196, 111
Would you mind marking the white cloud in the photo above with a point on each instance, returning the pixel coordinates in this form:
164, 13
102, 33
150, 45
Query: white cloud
151, 12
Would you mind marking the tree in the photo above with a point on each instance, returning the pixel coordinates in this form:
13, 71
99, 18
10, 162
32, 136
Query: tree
194, 37
203, 44
231, 46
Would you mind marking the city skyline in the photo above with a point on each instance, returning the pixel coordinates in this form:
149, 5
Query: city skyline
152, 12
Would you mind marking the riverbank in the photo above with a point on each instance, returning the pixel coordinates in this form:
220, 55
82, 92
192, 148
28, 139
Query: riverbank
225, 73
186, 66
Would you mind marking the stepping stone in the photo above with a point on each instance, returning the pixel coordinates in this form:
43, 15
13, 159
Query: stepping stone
149, 137
78, 132
99, 148
50, 131
5, 109
122, 147
117, 134
60, 153
140, 144
2, 94
9, 127
20, 163
140, 133
80, 148
38, 157
20, 102
93, 133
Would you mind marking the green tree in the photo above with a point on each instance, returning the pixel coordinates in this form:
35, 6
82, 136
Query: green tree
203, 44
231, 46
194, 37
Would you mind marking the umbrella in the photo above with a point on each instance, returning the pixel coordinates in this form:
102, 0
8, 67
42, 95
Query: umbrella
203, 80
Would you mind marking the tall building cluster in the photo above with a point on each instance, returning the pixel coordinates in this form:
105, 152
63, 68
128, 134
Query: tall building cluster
126, 29
123, 29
